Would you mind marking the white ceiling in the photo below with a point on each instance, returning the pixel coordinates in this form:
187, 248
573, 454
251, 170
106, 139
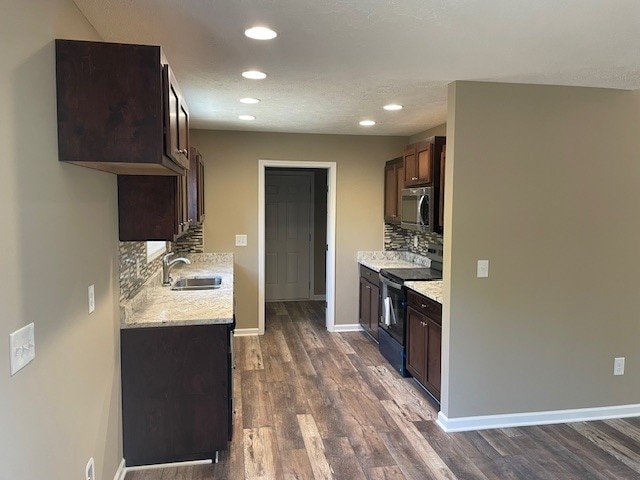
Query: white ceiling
336, 62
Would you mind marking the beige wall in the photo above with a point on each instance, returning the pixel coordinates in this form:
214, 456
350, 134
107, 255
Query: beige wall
59, 236
440, 130
231, 162
544, 182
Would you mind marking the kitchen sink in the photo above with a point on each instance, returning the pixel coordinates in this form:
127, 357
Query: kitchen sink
208, 283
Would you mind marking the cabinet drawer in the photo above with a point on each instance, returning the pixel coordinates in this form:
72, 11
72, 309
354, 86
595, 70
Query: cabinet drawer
370, 275
426, 306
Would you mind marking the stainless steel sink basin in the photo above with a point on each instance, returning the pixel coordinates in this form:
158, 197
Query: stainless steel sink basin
197, 283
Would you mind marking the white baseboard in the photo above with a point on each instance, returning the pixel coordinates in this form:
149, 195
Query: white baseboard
121, 472
245, 332
352, 327
169, 465
482, 422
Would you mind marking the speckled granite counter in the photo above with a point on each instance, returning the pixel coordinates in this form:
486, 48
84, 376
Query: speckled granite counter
158, 306
432, 289
376, 260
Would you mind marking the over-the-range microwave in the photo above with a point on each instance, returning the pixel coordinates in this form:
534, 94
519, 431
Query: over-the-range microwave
417, 209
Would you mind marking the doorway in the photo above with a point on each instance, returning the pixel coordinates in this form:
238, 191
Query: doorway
291, 265
289, 229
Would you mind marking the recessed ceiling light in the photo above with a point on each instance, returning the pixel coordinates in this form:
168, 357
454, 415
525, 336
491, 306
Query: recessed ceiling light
249, 100
260, 33
367, 123
246, 117
254, 75
393, 106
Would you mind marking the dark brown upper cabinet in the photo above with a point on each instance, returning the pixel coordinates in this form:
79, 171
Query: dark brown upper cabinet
195, 187
393, 185
120, 109
152, 207
420, 161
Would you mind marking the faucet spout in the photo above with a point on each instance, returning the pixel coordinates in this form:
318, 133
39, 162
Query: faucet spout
168, 265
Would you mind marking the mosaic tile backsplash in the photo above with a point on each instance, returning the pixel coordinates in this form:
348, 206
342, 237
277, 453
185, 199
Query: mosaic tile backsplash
398, 238
190, 242
134, 269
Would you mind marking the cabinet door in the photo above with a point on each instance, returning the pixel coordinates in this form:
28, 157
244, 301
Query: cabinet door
434, 347
182, 213
151, 207
400, 182
374, 310
174, 393
416, 345
424, 163
176, 121
443, 157
200, 190
410, 165
195, 188
390, 194
365, 303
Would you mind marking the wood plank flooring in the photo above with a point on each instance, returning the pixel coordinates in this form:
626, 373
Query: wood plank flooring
315, 405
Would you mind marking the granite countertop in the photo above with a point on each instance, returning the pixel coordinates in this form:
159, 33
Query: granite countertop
431, 289
158, 306
377, 260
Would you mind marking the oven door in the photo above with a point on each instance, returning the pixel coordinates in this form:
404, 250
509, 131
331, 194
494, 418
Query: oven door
393, 309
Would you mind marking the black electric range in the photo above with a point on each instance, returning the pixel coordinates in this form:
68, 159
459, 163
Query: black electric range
393, 332
401, 275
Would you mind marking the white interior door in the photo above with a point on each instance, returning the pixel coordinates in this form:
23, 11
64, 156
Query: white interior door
287, 235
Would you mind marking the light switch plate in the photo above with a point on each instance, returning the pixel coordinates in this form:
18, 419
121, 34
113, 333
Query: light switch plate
618, 366
483, 268
241, 240
92, 298
22, 347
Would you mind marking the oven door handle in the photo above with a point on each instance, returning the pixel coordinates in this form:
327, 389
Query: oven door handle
390, 283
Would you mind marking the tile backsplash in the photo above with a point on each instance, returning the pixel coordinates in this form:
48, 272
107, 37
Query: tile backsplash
134, 269
398, 238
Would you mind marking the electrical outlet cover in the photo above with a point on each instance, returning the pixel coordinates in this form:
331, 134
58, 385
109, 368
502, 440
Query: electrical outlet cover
241, 240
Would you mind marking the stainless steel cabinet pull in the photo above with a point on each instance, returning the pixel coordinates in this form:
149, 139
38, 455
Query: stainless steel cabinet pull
423, 305
414, 178
183, 151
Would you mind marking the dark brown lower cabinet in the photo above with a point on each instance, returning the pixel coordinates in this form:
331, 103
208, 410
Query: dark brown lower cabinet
369, 301
176, 393
424, 342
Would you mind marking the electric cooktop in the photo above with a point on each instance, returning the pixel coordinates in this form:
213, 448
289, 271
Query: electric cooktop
401, 275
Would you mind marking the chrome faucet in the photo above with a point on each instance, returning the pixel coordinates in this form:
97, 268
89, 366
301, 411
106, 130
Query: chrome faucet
168, 265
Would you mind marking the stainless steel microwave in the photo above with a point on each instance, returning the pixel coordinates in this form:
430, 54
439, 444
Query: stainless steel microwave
417, 209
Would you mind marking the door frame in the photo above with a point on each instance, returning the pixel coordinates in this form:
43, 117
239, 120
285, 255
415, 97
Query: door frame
331, 168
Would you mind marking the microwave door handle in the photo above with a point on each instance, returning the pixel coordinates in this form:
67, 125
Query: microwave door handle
420, 207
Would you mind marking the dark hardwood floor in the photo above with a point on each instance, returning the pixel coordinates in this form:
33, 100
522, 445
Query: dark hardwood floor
315, 405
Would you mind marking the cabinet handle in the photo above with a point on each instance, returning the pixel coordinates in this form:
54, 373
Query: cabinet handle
423, 305
368, 287
423, 323
414, 178
183, 151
